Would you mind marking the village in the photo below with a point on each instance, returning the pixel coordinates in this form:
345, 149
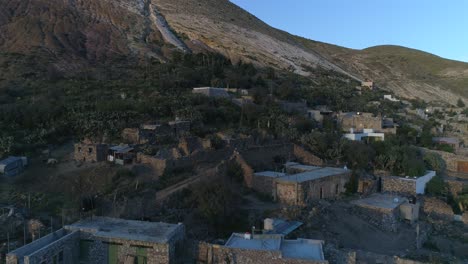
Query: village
293, 205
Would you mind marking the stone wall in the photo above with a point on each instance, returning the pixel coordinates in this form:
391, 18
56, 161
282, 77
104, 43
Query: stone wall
302, 193
248, 171
262, 158
90, 152
455, 187
360, 122
451, 160
465, 218
305, 157
324, 188
263, 184
370, 257
161, 166
399, 185
385, 219
131, 135
214, 254
287, 193
437, 209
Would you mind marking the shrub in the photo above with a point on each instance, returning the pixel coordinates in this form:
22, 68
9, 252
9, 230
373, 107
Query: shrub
435, 162
437, 187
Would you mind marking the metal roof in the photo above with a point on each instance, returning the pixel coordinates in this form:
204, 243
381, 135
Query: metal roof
121, 149
272, 174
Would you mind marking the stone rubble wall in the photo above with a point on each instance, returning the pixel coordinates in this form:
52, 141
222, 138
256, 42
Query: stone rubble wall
305, 157
398, 185
387, 220
263, 184
455, 187
214, 254
437, 209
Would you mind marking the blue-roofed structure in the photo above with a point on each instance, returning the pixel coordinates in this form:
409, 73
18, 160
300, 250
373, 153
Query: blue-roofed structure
12, 166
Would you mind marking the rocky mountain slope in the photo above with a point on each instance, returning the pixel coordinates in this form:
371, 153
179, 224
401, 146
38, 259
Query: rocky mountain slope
73, 34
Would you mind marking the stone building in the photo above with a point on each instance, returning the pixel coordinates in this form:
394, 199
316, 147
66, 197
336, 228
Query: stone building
104, 240
258, 249
264, 182
320, 183
356, 122
406, 185
453, 142
88, 151
386, 210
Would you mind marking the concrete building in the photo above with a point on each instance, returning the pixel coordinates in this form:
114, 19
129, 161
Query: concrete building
212, 92
104, 240
13, 166
357, 122
312, 184
267, 248
279, 226
88, 151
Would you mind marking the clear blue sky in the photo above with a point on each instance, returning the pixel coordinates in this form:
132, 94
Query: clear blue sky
436, 26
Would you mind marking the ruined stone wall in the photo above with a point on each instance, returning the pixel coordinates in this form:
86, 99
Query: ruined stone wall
214, 254
455, 187
305, 157
246, 169
398, 185
370, 257
437, 209
161, 166
263, 157
263, 184
131, 135
384, 219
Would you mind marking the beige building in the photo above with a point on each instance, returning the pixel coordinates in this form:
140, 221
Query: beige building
88, 151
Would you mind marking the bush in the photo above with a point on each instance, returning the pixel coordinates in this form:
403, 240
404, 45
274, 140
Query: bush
435, 162
437, 187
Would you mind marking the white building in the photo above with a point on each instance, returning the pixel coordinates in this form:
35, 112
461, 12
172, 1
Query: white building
366, 133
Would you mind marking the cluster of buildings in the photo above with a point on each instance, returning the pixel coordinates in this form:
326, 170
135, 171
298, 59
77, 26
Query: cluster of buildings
109, 240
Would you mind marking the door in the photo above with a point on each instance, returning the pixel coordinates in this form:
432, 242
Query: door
463, 166
113, 254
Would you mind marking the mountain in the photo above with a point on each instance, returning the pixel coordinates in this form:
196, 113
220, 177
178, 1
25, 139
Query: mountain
70, 35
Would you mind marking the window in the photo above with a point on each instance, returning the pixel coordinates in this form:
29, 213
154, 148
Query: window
79, 149
337, 190
321, 193
90, 150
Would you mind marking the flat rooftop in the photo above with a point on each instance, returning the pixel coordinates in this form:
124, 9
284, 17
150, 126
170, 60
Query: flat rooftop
301, 167
105, 227
305, 249
272, 174
259, 242
381, 201
313, 175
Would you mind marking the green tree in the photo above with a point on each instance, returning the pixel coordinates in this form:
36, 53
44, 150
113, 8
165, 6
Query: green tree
437, 186
435, 162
